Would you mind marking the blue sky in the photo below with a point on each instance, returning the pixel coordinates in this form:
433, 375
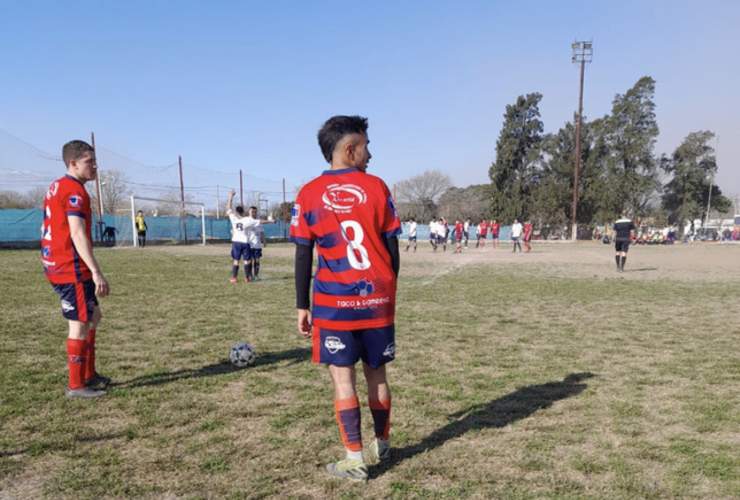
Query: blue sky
245, 85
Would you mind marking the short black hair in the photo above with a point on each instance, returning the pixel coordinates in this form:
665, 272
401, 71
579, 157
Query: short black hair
240, 210
335, 129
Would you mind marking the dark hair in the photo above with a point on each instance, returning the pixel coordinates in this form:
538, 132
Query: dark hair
240, 210
253, 207
74, 150
335, 129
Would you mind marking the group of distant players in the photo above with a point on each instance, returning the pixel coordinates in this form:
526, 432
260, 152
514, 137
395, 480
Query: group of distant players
247, 240
439, 234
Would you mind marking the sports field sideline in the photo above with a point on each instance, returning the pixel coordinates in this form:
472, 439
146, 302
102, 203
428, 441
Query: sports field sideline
518, 376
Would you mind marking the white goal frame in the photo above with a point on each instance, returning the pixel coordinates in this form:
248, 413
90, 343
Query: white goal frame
181, 203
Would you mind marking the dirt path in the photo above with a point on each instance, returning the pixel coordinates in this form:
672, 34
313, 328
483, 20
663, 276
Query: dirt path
680, 262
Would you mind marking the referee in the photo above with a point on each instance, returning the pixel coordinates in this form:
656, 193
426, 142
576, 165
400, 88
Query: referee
623, 230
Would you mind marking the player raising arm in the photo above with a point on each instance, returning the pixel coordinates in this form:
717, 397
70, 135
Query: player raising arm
241, 225
350, 215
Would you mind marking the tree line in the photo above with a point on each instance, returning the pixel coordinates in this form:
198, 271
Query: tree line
532, 176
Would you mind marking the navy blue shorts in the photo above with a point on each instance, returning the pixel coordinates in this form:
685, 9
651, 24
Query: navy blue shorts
412, 238
239, 250
78, 300
374, 346
255, 253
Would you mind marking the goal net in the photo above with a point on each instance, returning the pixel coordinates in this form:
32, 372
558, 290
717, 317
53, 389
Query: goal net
167, 222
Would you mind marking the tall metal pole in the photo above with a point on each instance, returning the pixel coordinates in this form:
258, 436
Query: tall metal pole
585, 55
709, 197
99, 232
182, 201
241, 189
285, 229
218, 201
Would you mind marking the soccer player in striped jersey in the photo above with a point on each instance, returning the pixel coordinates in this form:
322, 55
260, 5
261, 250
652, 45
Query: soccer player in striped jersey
71, 268
527, 237
458, 232
350, 216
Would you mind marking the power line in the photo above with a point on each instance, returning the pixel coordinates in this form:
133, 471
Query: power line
46, 155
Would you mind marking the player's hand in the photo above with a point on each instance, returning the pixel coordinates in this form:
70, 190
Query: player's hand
304, 323
101, 285
232, 192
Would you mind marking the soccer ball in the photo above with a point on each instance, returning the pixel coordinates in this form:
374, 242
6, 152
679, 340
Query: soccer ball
242, 355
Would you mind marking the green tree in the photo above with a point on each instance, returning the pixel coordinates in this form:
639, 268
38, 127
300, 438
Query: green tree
631, 131
518, 155
553, 194
692, 167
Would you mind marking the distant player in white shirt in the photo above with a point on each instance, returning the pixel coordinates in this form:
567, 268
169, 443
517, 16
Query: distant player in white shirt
255, 239
240, 227
433, 229
412, 235
516, 232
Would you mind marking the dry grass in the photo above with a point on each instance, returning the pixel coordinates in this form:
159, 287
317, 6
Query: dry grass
533, 376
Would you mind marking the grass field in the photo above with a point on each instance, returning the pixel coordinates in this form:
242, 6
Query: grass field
538, 376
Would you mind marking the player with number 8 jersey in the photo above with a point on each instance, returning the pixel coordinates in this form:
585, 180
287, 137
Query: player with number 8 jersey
349, 213
350, 216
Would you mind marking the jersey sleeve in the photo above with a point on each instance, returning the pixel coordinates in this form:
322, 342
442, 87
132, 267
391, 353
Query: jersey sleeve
73, 200
300, 232
391, 223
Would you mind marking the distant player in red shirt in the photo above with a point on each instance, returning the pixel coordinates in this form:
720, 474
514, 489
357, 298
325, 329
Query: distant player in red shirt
69, 264
495, 228
527, 237
458, 231
350, 215
482, 232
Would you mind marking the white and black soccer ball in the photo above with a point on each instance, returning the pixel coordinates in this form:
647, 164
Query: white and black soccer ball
242, 355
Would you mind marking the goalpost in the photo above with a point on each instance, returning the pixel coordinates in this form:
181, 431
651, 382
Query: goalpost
168, 224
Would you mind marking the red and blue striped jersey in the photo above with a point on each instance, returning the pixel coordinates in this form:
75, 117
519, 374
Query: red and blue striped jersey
349, 215
62, 264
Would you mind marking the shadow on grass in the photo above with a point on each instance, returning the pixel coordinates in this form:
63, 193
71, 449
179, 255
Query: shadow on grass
640, 269
38, 447
268, 358
494, 414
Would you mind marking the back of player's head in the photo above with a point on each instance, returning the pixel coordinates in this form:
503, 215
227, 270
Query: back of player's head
335, 129
412, 219
74, 150
240, 210
625, 214
140, 212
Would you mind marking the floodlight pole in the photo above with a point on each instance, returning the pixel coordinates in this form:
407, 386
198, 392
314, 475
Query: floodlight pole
585, 55
182, 201
709, 197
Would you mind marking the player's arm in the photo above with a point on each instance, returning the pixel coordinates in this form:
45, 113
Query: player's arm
231, 199
78, 231
392, 245
303, 266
